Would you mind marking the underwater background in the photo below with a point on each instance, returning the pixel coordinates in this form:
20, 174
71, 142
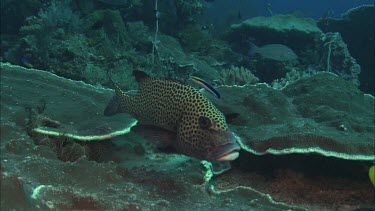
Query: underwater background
97, 97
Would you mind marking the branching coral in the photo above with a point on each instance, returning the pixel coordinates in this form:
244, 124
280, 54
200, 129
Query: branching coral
59, 15
290, 77
237, 76
54, 22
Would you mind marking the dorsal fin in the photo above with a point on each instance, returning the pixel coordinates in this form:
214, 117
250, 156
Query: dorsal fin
118, 91
174, 80
140, 75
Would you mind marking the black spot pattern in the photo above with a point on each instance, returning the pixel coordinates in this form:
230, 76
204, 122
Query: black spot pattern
177, 107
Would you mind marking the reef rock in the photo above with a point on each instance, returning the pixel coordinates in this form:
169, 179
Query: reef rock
297, 33
32, 177
314, 138
321, 114
337, 58
356, 27
169, 50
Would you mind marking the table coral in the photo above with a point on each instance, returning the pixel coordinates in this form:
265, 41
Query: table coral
159, 180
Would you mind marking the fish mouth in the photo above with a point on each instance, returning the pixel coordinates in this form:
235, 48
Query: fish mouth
227, 152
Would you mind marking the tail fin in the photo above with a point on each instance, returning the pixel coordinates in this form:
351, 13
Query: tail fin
253, 49
118, 91
140, 75
118, 102
113, 107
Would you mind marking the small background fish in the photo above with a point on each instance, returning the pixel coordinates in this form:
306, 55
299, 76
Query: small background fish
276, 52
26, 63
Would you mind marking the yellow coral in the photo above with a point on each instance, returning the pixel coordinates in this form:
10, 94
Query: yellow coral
371, 174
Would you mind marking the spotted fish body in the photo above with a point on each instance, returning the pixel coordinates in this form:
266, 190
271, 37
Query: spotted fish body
178, 115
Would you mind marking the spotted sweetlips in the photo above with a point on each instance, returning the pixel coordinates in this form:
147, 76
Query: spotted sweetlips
175, 114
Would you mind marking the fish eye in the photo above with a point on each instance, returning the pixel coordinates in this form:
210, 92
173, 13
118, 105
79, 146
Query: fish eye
204, 122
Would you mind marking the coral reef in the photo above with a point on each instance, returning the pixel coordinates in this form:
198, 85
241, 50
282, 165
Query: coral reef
312, 46
58, 15
33, 177
297, 33
290, 77
84, 48
321, 113
300, 34
139, 36
282, 24
53, 40
52, 88
194, 39
107, 25
188, 10
338, 59
170, 51
301, 131
356, 27
309, 114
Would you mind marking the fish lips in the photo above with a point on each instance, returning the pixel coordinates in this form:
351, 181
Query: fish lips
226, 152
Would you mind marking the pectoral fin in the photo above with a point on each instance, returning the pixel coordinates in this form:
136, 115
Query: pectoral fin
231, 117
161, 137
